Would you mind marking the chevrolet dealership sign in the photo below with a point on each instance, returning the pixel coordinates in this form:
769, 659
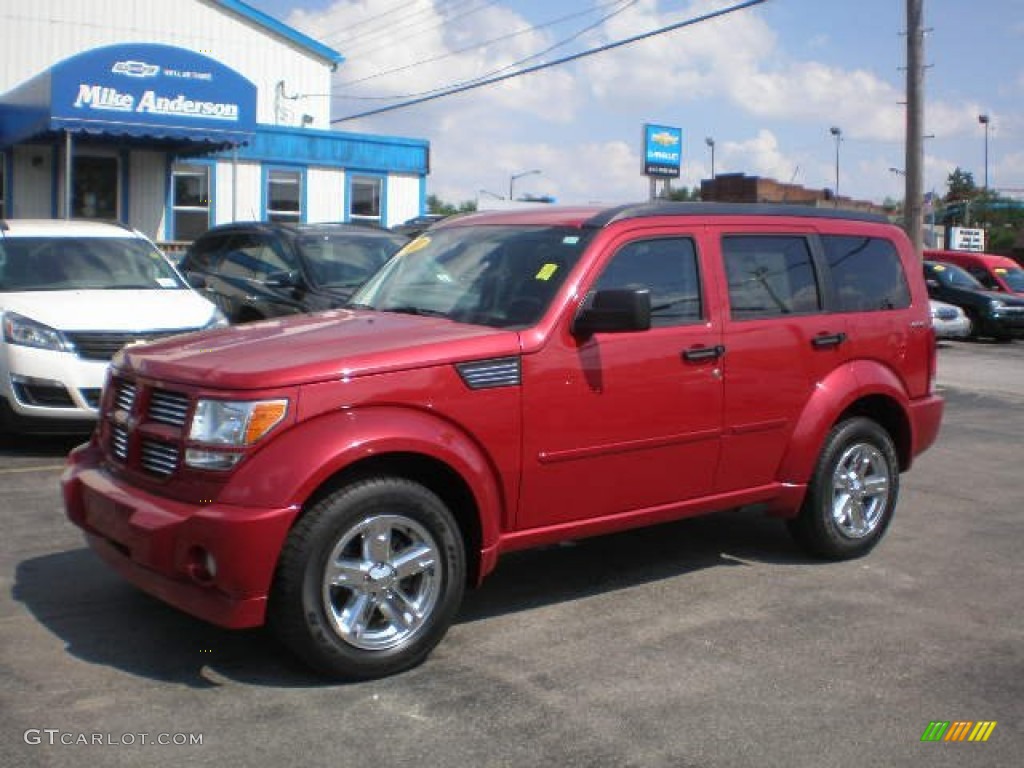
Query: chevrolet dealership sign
662, 151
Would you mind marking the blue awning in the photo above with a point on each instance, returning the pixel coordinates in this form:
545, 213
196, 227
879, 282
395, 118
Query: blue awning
152, 93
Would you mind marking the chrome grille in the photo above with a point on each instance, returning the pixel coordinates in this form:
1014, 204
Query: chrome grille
98, 345
124, 395
119, 443
159, 458
168, 407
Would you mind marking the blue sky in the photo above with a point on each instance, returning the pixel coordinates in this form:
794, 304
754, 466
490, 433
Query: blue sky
766, 83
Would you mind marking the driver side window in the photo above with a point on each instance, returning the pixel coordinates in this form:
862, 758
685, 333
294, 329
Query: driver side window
667, 267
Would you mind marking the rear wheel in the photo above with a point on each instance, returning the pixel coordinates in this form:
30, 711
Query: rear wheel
852, 494
370, 579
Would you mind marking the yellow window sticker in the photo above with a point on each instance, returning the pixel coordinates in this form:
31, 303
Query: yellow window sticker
939, 268
418, 244
546, 271
1001, 270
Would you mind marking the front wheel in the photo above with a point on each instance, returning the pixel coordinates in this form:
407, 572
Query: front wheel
852, 494
369, 580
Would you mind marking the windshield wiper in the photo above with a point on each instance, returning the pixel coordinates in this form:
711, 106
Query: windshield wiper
418, 311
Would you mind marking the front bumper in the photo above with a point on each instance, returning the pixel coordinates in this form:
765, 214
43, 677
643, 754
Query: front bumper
213, 561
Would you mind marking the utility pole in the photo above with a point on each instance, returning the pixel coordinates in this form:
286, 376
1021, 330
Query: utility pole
914, 196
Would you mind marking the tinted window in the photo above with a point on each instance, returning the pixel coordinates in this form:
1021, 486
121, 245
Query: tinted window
205, 253
668, 269
346, 259
954, 277
866, 272
256, 257
769, 275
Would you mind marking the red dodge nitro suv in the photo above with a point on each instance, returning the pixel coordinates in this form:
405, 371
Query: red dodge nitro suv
509, 380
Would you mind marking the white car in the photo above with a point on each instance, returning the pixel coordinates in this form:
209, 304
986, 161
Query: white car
72, 293
949, 321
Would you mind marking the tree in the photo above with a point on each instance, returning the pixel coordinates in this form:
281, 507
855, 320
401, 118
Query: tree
437, 205
960, 186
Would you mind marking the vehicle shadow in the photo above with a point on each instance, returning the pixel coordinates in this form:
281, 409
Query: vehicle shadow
103, 620
39, 446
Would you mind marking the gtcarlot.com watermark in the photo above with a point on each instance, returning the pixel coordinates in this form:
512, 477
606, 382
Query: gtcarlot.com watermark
57, 737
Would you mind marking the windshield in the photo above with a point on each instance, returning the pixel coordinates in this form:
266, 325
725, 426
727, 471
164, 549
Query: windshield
347, 260
501, 276
955, 277
1014, 277
83, 263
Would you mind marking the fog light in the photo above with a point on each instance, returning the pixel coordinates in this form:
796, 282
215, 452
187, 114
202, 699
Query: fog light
201, 566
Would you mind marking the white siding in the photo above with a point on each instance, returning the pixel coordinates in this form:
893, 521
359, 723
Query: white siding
403, 196
249, 191
31, 182
147, 193
43, 32
325, 194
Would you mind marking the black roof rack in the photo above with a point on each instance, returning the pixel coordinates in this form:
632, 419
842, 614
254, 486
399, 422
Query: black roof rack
668, 208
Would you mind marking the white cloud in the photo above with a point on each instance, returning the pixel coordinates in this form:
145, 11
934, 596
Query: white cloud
580, 122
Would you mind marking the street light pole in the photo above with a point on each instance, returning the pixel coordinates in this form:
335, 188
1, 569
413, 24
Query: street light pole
512, 181
984, 120
838, 133
711, 143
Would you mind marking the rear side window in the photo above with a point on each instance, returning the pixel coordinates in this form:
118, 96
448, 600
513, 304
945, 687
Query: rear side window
866, 272
665, 267
770, 276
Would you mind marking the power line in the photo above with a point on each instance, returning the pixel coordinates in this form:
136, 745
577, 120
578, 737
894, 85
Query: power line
476, 46
373, 37
563, 60
626, 5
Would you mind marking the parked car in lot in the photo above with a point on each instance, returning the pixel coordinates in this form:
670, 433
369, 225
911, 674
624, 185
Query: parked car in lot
949, 321
514, 379
996, 273
418, 224
71, 294
992, 314
256, 270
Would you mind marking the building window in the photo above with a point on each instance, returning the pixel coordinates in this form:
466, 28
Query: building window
366, 198
3, 186
191, 201
284, 196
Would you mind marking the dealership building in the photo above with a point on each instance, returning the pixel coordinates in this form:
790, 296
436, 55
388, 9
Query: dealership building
174, 117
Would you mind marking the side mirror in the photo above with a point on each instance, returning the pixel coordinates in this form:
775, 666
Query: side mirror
932, 283
614, 311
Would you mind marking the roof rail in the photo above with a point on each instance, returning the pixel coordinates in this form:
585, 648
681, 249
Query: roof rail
671, 208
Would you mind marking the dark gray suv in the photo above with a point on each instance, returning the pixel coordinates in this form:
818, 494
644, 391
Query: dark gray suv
256, 270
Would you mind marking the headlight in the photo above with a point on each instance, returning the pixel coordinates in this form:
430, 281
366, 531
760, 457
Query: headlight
217, 319
28, 333
230, 424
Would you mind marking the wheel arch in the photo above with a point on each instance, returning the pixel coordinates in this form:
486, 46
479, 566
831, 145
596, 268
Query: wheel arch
862, 388
433, 474
315, 457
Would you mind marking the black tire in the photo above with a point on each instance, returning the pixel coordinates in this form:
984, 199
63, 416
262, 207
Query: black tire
852, 493
399, 573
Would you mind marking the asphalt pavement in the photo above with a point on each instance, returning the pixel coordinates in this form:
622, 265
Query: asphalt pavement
710, 642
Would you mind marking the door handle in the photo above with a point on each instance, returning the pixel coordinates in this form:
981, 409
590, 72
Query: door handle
828, 340
696, 354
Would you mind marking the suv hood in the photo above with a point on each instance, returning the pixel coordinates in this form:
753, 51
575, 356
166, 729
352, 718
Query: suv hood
303, 349
113, 310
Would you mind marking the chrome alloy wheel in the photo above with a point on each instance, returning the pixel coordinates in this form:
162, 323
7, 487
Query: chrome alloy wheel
860, 490
381, 582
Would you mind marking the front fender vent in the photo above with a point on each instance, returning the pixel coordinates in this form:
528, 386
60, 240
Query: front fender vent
487, 374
